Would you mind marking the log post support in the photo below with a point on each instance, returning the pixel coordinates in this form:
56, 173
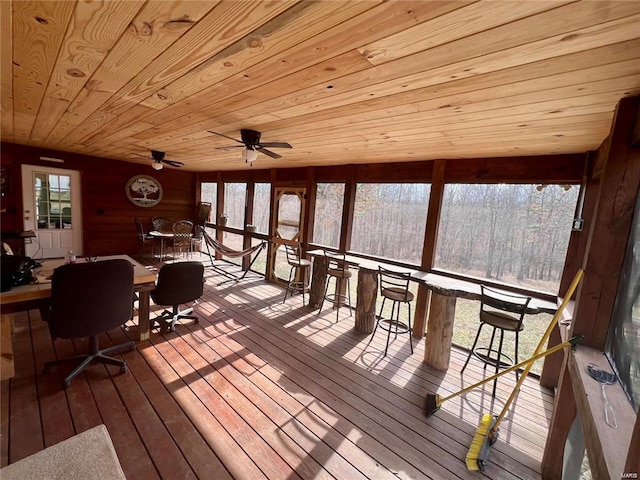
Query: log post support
422, 307
437, 352
366, 302
318, 279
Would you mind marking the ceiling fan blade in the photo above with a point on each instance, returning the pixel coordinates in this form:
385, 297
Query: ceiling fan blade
228, 147
260, 148
275, 144
173, 163
225, 136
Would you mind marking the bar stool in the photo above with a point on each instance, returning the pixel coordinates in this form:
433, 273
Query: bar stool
299, 266
501, 311
395, 287
337, 269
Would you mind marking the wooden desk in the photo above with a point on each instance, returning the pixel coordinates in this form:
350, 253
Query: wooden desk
31, 296
444, 292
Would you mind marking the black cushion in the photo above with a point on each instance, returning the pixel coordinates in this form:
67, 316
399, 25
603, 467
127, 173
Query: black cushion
90, 298
179, 283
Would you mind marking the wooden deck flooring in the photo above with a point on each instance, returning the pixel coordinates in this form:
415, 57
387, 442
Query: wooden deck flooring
262, 389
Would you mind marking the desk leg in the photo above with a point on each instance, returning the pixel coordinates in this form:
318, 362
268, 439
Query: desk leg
6, 347
144, 326
437, 351
366, 302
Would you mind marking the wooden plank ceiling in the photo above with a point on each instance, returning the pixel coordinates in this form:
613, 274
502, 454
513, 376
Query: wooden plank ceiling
342, 81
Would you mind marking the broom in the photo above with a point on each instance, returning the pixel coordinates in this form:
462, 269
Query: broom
433, 402
487, 432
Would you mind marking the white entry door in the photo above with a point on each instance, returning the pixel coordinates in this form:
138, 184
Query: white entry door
52, 209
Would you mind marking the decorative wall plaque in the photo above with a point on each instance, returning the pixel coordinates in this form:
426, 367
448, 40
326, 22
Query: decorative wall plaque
144, 191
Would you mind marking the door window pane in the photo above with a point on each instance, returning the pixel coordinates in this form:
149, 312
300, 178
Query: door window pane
328, 214
235, 195
289, 209
389, 220
516, 234
53, 201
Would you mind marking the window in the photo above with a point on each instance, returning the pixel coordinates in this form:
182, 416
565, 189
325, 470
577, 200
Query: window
209, 193
53, 200
234, 242
389, 220
622, 345
235, 195
515, 234
262, 206
328, 214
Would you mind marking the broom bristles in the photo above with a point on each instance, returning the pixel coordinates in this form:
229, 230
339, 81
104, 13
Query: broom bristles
432, 404
479, 441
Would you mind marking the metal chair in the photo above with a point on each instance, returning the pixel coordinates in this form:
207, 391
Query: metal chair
177, 284
505, 312
337, 268
298, 272
161, 224
182, 233
196, 239
143, 237
87, 300
394, 286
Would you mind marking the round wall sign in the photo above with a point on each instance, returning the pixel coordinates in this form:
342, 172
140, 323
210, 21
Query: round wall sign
144, 191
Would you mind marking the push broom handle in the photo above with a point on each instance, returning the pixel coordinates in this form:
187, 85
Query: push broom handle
572, 341
543, 340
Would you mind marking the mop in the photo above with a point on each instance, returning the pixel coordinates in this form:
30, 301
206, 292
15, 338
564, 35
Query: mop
487, 432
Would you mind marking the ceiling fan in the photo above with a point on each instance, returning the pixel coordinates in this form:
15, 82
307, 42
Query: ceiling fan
159, 160
252, 145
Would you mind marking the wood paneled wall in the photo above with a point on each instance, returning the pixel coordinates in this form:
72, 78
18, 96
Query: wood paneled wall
614, 184
540, 169
107, 213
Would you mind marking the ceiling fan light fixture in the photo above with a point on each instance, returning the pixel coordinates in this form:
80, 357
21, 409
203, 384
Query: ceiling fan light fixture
157, 165
250, 155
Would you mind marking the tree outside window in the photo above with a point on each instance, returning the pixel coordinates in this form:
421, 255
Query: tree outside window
389, 220
515, 234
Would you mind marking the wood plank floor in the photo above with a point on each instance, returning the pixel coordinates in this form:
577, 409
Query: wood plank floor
262, 389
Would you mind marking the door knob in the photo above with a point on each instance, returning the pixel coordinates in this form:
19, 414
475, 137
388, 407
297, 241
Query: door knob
27, 218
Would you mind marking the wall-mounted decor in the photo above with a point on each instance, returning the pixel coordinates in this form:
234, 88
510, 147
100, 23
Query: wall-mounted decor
144, 191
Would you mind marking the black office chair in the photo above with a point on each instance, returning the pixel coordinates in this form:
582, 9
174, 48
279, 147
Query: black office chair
394, 286
88, 299
178, 283
505, 312
337, 268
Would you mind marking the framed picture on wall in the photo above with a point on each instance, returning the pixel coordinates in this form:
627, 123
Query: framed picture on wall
144, 191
